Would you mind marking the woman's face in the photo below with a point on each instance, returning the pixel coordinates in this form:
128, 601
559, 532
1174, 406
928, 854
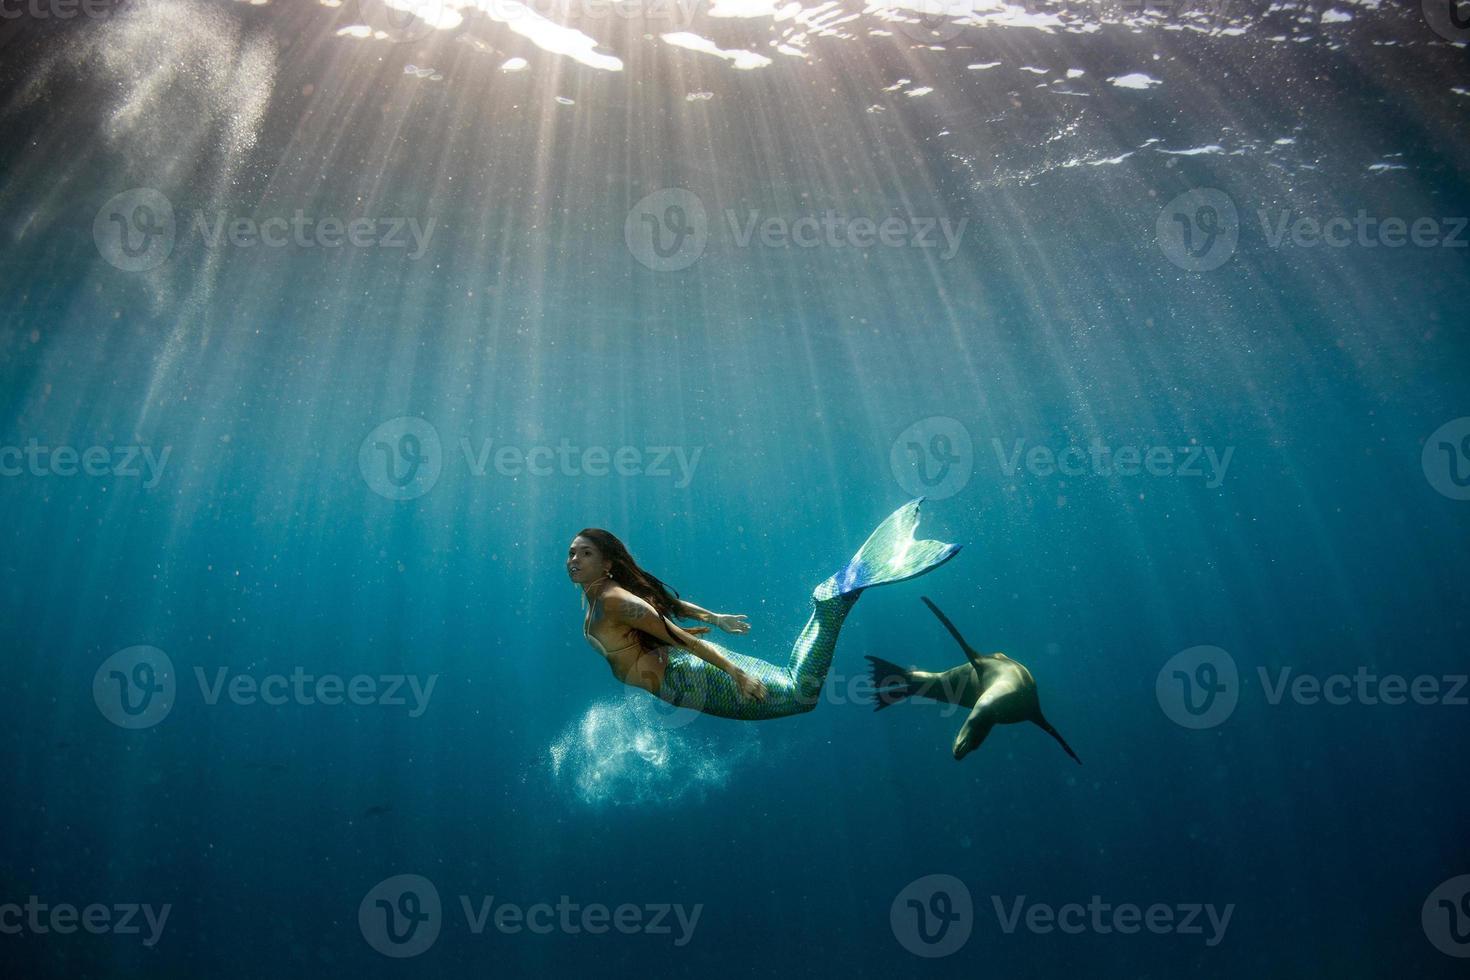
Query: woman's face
585, 563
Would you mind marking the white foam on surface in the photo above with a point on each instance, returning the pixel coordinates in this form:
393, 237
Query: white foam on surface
549, 35
1135, 80
744, 60
1195, 151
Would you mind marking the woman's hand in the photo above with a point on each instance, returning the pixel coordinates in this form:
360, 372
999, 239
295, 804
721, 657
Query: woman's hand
732, 623
749, 686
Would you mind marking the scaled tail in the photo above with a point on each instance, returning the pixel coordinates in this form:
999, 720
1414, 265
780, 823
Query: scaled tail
891, 554
891, 683
1046, 727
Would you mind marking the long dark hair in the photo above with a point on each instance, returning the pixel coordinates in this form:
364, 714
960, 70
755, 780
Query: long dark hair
631, 576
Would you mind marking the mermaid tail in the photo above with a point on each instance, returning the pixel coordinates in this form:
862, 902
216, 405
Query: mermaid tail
891, 554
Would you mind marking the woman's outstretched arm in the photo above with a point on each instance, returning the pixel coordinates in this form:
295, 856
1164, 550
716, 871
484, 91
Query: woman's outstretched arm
634, 613
730, 623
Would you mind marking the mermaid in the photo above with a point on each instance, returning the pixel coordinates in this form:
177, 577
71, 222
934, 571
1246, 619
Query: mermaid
630, 621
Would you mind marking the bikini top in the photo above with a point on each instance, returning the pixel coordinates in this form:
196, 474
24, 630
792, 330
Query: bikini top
598, 643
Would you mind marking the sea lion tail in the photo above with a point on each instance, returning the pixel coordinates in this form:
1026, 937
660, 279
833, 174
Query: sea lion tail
1046, 727
891, 683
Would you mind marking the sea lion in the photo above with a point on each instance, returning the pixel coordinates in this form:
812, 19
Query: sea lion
999, 691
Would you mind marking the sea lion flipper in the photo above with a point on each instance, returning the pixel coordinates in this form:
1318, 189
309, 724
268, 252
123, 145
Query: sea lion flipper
1045, 726
891, 683
970, 654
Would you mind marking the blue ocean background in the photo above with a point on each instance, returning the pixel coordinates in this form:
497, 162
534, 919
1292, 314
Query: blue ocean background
798, 376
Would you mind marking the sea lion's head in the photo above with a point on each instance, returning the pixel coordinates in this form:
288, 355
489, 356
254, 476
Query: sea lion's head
969, 737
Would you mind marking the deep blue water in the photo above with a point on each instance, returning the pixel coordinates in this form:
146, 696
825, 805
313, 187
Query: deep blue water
741, 422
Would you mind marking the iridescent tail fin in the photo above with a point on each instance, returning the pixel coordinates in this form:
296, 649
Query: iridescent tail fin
891, 554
